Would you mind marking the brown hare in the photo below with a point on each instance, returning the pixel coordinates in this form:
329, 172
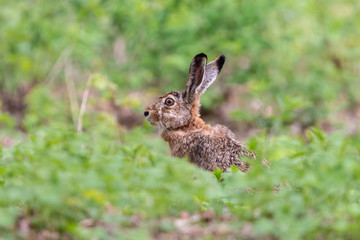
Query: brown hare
177, 115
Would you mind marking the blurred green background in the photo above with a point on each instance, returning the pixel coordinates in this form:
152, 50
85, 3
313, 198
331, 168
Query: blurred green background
289, 89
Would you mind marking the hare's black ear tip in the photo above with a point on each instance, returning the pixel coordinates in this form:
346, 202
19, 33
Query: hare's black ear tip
221, 61
201, 55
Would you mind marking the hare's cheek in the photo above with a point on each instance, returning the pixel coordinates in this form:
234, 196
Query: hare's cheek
174, 119
168, 116
169, 119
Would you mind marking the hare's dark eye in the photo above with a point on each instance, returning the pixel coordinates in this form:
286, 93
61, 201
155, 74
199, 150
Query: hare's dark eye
169, 101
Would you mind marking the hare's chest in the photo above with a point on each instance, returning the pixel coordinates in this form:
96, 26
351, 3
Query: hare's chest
178, 143
202, 151
202, 148
182, 144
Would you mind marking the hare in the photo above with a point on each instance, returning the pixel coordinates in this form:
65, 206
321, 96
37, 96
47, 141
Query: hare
177, 115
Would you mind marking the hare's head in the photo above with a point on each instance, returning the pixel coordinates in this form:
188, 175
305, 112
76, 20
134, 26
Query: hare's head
175, 109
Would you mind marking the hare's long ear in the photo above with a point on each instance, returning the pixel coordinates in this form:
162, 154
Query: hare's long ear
196, 75
212, 70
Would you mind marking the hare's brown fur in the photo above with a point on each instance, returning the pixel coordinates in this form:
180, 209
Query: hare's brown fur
186, 133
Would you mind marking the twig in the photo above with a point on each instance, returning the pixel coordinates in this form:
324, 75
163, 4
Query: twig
55, 70
70, 86
83, 104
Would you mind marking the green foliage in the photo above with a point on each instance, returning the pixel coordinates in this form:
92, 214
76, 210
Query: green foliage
6, 120
310, 191
63, 177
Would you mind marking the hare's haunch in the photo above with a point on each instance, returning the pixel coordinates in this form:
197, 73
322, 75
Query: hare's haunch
177, 115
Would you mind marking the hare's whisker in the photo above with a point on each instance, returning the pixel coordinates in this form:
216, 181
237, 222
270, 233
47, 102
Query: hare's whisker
169, 133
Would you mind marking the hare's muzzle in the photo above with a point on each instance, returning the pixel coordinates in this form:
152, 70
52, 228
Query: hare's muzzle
151, 115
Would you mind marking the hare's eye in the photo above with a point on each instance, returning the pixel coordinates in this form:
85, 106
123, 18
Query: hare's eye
169, 101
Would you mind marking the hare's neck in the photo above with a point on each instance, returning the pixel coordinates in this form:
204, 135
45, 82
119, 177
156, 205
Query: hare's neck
198, 123
178, 138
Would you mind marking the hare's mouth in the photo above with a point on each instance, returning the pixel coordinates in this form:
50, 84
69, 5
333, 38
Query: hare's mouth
148, 120
152, 123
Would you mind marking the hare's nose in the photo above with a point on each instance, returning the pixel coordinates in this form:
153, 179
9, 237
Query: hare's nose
146, 113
